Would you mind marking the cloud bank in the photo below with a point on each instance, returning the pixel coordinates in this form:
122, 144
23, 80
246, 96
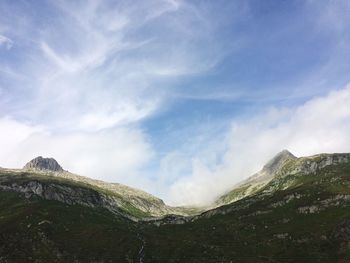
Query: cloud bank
99, 64
180, 98
112, 155
320, 125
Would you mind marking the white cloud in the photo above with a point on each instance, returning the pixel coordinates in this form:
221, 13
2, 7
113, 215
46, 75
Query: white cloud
98, 68
320, 125
122, 114
6, 42
116, 155
102, 64
121, 155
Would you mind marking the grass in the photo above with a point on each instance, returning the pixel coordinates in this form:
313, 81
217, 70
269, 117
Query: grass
24, 177
232, 195
256, 230
48, 231
280, 235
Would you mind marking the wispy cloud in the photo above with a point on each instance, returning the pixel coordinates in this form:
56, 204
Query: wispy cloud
111, 155
93, 71
90, 80
6, 42
95, 61
320, 125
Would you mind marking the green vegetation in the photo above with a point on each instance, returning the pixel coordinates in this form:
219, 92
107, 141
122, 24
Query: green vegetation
24, 177
38, 230
267, 228
233, 195
297, 217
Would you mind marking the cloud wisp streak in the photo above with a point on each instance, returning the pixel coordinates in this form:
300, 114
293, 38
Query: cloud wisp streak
320, 125
180, 98
107, 68
6, 42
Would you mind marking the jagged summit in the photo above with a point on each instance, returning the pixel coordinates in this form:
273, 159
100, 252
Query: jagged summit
71, 188
40, 163
276, 162
272, 166
43, 215
257, 180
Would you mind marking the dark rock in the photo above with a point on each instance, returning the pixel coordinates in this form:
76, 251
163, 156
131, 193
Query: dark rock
342, 231
278, 161
40, 163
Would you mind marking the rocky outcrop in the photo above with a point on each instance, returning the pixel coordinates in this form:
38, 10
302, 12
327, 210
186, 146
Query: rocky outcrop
277, 162
315, 165
40, 163
271, 177
340, 200
271, 168
45, 178
312, 164
129, 197
318, 166
258, 180
74, 189
70, 195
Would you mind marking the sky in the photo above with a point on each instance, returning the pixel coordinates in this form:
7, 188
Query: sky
182, 99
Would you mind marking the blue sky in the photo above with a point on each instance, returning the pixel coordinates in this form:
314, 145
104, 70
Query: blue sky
180, 98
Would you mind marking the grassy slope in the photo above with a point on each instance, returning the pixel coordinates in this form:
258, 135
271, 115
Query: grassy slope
49, 231
23, 177
269, 229
264, 232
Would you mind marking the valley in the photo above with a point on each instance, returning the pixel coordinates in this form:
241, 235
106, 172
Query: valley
301, 213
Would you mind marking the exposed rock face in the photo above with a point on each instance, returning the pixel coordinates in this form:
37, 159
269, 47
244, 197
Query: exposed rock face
288, 166
74, 189
127, 195
68, 195
310, 165
40, 163
257, 180
121, 195
276, 163
272, 167
282, 165
278, 174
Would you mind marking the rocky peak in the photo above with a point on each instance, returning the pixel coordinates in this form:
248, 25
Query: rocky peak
278, 161
40, 163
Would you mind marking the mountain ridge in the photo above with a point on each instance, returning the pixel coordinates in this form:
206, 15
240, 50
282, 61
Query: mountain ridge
257, 180
42, 177
132, 203
303, 165
301, 215
260, 179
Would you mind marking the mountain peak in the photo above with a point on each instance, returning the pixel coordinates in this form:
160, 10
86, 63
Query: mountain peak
276, 162
40, 163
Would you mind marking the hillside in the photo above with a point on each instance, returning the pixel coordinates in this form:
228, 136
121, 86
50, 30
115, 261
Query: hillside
256, 181
44, 177
302, 214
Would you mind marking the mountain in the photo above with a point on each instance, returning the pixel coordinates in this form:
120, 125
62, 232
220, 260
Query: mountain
45, 178
302, 214
258, 180
40, 163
